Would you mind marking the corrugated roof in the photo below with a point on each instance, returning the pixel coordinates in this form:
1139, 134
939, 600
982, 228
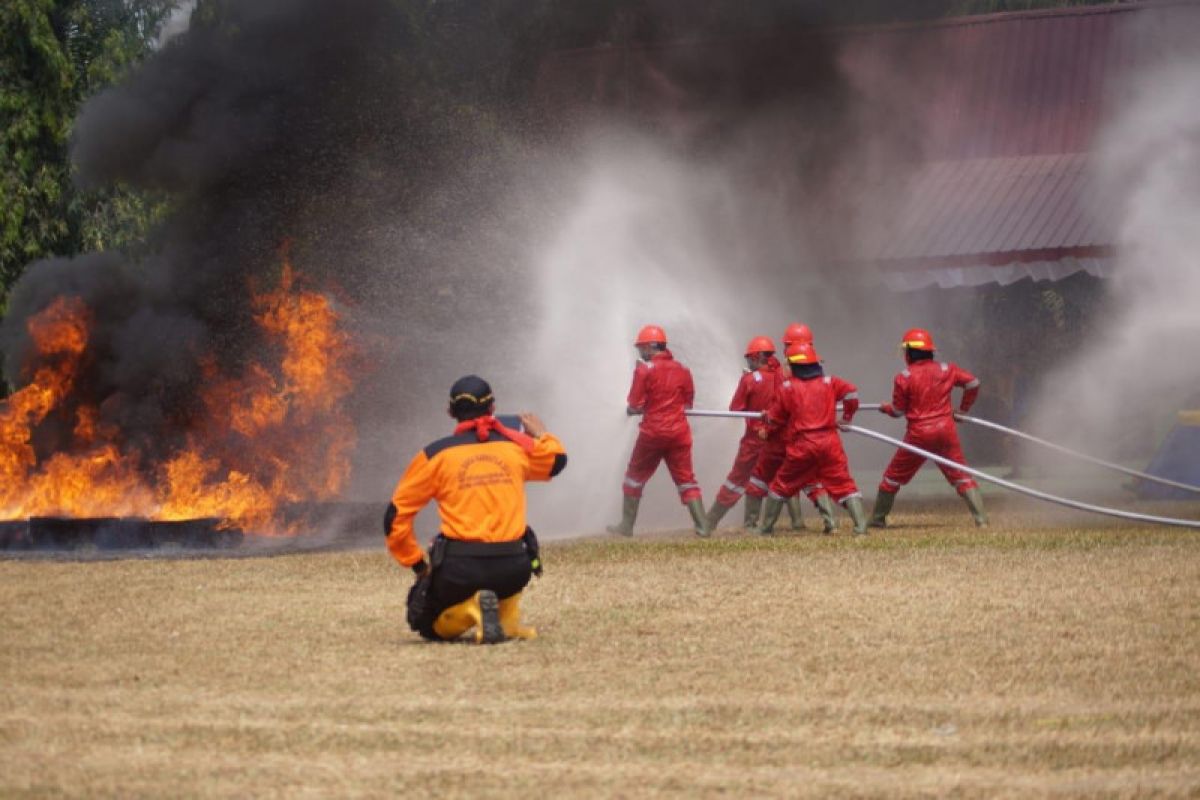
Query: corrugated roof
992, 206
1003, 109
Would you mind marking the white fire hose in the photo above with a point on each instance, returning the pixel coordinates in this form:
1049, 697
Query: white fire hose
1066, 451
1145, 476
1062, 501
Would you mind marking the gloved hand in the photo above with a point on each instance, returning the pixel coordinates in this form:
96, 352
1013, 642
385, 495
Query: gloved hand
421, 568
887, 408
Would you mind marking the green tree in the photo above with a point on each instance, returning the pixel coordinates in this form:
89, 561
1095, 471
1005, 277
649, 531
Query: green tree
54, 54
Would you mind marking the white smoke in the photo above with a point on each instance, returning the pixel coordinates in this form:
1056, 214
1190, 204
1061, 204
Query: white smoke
1123, 392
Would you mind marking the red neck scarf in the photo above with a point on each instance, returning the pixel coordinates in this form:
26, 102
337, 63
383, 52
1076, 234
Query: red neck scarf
484, 425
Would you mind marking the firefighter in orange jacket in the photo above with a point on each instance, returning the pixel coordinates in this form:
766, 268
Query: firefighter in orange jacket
662, 390
921, 393
481, 561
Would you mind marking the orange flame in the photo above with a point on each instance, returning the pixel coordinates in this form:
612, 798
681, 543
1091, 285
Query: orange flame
276, 433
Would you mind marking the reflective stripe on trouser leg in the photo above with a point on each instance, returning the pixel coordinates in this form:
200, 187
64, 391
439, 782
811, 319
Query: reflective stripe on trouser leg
642, 462
679, 463
743, 465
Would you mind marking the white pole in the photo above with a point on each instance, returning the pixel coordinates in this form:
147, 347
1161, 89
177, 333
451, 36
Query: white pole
1062, 501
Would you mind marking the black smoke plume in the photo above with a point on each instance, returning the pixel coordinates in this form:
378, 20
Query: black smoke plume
408, 151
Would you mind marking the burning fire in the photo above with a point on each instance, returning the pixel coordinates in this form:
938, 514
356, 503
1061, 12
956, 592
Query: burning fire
276, 433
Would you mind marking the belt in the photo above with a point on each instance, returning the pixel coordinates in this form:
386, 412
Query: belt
461, 547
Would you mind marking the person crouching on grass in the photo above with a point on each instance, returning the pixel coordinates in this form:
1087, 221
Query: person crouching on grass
484, 555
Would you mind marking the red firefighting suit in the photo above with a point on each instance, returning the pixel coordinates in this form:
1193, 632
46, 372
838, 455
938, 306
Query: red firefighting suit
662, 390
922, 394
771, 455
807, 409
754, 392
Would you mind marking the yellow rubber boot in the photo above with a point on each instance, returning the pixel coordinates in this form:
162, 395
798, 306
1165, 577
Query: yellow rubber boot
457, 620
510, 619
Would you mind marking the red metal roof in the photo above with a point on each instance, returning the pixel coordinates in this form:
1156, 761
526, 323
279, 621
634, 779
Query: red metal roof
1003, 109
991, 207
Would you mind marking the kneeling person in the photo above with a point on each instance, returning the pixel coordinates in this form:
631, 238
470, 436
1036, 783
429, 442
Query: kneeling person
485, 553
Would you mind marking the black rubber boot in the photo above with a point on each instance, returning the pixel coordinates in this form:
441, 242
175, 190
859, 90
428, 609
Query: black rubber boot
771, 511
699, 518
883, 507
629, 509
825, 506
854, 507
975, 503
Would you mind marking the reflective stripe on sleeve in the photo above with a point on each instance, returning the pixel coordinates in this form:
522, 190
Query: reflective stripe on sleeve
971, 384
851, 396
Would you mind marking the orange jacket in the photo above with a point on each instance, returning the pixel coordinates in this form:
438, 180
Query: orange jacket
479, 488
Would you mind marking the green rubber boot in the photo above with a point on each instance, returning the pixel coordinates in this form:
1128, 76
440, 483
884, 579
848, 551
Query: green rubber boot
629, 509
771, 511
753, 513
975, 503
883, 507
825, 506
794, 511
699, 518
854, 506
715, 514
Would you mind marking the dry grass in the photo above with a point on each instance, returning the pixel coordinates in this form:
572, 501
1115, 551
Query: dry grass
930, 660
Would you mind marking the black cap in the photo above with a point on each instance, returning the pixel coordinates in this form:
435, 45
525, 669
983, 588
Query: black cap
471, 388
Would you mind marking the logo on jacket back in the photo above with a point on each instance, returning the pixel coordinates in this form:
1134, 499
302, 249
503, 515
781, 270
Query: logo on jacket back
483, 470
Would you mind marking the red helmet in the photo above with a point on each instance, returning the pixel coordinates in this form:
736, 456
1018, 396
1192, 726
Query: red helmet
802, 353
651, 334
797, 332
917, 339
760, 344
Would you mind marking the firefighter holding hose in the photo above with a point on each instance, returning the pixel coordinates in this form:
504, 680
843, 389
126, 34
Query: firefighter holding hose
922, 393
754, 392
477, 567
662, 390
772, 455
806, 408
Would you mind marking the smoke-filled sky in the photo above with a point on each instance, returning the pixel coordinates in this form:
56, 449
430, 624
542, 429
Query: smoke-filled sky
463, 226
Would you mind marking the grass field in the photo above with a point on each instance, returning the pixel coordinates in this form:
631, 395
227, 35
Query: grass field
1028, 659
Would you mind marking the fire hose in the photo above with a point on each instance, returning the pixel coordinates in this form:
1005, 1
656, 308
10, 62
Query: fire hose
1082, 457
1145, 476
1063, 501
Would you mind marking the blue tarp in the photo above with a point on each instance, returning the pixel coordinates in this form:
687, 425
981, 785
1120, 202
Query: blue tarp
1177, 459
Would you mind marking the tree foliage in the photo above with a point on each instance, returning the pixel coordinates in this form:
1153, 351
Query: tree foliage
53, 55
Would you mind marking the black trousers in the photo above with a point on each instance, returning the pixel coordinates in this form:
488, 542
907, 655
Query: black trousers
457, 578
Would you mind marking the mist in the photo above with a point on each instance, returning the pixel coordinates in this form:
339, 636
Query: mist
1120, 394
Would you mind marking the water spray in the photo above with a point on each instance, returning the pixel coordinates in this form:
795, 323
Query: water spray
1062, 501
